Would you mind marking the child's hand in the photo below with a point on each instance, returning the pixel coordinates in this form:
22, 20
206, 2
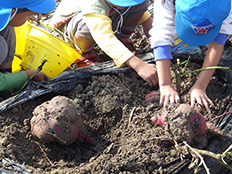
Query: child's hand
40, 76
199, 96
168, 94
148, 72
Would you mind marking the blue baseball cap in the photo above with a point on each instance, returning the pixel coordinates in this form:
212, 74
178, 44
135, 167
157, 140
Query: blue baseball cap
198, 22
38, 6
126, 3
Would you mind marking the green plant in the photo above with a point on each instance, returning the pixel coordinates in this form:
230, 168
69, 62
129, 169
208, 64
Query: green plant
180, 75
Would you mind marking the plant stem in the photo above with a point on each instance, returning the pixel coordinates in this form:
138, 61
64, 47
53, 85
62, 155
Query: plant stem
199, 155
131, 114
38, 69
179, 75
218, 157
207, 68
187, 61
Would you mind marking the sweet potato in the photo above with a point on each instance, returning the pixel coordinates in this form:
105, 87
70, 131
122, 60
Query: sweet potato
183, 123
57, 121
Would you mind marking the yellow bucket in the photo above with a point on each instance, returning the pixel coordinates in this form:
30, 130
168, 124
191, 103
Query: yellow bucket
34, 44
16, 64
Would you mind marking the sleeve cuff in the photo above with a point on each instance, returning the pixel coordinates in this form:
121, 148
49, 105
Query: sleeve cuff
162, 52
221, 38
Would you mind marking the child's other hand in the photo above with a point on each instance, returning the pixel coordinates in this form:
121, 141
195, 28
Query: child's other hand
199, 96
40, 76
168, 94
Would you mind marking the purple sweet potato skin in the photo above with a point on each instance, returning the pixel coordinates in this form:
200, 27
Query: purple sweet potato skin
57, 121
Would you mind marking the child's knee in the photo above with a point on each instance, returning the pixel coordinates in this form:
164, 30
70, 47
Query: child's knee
84, 42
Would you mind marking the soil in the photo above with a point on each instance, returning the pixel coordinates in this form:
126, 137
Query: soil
121, 136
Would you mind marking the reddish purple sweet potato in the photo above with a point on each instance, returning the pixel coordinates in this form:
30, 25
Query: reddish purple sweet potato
184, 123
57, 121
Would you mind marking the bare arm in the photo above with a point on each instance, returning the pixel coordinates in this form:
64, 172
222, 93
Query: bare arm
167, 92
147, 25
198, 91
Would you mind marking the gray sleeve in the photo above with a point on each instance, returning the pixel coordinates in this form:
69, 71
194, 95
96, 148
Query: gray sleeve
3, 49
8, 35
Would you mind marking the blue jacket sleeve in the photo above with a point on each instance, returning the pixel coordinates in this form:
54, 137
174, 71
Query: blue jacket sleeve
221, 38
162, 52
